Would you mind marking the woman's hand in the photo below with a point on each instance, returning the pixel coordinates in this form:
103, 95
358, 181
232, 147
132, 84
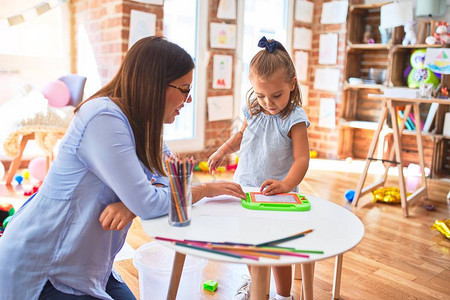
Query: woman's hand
212, 189
218, 188
116, 216
215, 160
271, 187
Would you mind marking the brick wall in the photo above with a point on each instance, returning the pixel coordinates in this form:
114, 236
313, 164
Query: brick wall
107, 23
323, 140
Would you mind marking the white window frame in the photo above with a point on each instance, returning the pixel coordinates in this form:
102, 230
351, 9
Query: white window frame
238, 67
198, 142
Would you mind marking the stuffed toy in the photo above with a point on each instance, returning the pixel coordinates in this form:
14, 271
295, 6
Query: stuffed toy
410, 35
441, 36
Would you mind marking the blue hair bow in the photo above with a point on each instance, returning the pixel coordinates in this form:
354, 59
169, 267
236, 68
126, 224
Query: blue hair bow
270, 46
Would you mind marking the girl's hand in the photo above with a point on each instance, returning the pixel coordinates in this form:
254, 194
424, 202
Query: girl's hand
215, 160
116, 216
271, 187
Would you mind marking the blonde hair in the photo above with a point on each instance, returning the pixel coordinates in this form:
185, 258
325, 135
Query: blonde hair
264, 64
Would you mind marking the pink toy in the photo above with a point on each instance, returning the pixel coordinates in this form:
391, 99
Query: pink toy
442, 35
38, 168
57, 93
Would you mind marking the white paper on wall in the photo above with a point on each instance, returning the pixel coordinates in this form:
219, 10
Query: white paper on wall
226, 9
334, 12
302, 38
142, 24
328, 48
222, 71
326, 79
396, 14
222, 35
304, 11
220, 108
301, 65
327, 113
304, 89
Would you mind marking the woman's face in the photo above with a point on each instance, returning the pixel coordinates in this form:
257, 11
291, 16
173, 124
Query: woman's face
177, 94
273, 93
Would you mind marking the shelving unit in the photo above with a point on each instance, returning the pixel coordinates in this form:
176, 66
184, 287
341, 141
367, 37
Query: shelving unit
359, 114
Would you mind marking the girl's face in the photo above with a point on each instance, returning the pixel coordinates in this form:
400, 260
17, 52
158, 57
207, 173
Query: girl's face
178, 92
272, 93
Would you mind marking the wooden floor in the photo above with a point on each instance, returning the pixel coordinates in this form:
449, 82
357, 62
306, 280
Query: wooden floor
398, 258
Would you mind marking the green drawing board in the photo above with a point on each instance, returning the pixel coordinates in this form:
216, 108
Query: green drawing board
281, 202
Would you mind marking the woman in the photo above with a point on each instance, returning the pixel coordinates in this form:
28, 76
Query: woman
55, 246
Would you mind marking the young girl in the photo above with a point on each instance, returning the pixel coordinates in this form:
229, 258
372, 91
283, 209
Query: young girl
273, 142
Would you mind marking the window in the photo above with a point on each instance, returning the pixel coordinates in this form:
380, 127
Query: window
260, 18
182, 25
34, 52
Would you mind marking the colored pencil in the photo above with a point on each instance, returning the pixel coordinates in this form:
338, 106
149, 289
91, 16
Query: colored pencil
282, 240
174, 194
208, 250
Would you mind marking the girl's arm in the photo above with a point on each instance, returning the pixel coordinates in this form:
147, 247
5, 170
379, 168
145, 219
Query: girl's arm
232, 145
300, 151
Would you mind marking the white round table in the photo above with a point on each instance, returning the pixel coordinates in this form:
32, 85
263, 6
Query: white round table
223, 219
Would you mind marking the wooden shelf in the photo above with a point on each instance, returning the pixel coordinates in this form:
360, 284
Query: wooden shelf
416, 46
348, 86
359, 124
376, 46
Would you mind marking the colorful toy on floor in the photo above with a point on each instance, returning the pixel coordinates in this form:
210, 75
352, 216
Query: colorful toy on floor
349, 195
32, 191
387, 195
6, 210
443, 226
19, 179
6, 221
210, 285
26, 174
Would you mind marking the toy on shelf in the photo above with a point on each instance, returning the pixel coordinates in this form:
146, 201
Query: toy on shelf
419, 73
410, 35
441, 36
368, 35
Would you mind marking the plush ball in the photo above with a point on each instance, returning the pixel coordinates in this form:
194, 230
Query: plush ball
38, 168
56, 93
2, 171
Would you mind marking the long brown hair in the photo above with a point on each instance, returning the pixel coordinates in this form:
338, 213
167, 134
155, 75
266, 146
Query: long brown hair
139, 89
264, 64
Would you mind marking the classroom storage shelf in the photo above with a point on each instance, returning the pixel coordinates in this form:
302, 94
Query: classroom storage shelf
359, 114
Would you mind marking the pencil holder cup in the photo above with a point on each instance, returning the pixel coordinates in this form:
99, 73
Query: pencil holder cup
180, 200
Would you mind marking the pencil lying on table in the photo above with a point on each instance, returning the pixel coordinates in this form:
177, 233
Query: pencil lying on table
288, 238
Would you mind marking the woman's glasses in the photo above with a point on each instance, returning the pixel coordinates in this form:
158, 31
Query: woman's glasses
187, 91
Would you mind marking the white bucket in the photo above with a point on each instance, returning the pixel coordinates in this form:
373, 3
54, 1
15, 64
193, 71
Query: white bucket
154, 263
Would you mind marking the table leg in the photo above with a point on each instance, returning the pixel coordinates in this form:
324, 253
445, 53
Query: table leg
359, 189
260, 283
177, 268
307, 281
298, 271
398, 154
337, 276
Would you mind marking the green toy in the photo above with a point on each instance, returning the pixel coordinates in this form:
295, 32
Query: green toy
210, 285
280, 202
416, 76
